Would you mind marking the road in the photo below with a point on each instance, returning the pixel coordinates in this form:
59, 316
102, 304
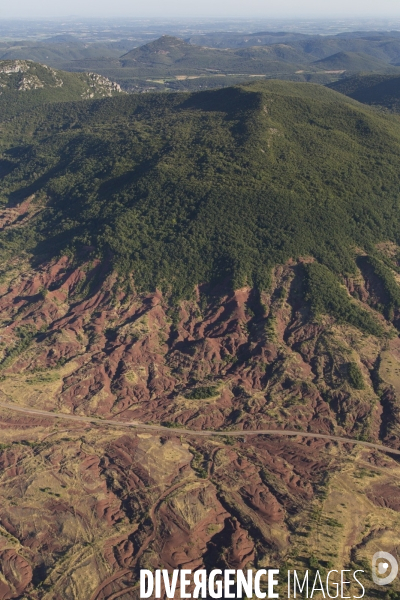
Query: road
200, 433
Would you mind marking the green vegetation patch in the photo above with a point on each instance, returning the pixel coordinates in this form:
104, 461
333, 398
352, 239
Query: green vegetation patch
43, 378
389, 284
327, 296
355, 377
25, 336
171, 424
201, 393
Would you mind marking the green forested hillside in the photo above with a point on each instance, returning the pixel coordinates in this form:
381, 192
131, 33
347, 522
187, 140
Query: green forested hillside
173, 53
180, 189
378, 90
354, 62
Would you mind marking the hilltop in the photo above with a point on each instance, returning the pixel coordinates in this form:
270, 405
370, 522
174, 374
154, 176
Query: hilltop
173, 56
170, 51
167, 50
354, 62
24, 84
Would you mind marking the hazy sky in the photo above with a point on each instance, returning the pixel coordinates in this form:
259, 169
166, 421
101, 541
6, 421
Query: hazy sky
202, 8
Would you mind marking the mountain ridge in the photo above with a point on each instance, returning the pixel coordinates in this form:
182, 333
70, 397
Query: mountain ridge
354, 62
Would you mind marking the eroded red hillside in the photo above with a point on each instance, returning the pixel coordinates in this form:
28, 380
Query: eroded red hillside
84, 507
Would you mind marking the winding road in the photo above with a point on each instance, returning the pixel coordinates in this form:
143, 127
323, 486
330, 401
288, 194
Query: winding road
201, 433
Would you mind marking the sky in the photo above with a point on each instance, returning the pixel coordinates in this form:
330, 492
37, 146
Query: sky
204, 8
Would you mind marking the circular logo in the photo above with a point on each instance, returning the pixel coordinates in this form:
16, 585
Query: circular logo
384, 568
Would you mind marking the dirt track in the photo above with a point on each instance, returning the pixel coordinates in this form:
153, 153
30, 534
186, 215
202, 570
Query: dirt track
204, 432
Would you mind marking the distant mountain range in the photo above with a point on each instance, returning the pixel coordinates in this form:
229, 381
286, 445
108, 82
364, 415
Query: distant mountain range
60, 50
222, 39
215, 60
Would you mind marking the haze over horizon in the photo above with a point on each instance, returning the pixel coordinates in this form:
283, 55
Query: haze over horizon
210, 8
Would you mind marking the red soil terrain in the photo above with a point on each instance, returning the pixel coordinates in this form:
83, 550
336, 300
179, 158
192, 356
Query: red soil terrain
84, 507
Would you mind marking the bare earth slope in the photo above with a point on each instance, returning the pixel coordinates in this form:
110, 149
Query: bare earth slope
83, 507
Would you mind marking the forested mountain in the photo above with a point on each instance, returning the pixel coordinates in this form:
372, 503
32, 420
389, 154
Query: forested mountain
354, 62
168, 51
174, 164
178, 273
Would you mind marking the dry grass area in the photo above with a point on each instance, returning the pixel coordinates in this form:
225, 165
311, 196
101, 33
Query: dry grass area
390, 366
54, 490
344, 528
36, 389
66, 488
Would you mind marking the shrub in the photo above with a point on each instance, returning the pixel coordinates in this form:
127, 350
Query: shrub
355, 377
201, 393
